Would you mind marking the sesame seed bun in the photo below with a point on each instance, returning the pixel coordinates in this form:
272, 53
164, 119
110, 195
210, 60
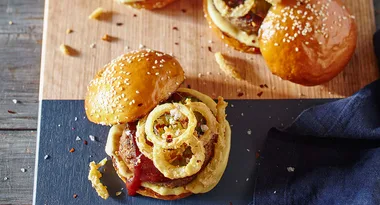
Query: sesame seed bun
131, 86
229, 40
146, 4
308, 43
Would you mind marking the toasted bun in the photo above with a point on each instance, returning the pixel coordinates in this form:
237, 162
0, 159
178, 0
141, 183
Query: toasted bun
150, 193
146, 4
131, 86
234, 43
308, 43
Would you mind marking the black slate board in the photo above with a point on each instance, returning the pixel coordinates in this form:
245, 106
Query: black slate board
64, 174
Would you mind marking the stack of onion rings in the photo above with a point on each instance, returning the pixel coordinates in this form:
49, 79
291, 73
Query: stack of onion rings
161, 145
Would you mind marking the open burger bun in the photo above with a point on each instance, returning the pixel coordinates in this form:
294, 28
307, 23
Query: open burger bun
204, 181
146, 4
131, 86
308, 42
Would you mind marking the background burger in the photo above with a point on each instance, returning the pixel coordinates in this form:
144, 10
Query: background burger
166, 142
308, 42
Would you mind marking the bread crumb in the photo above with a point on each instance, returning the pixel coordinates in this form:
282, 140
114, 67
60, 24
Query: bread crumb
69, 31
226, 67
64, 49
96, 13
106, 37
10, 22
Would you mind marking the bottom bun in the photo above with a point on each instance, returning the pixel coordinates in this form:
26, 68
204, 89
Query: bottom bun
147, 4
150, 193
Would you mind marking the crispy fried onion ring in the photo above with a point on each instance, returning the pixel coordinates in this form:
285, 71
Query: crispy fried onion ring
211, 122
176, 141
174, 172
179, 140
238, 11
144, 148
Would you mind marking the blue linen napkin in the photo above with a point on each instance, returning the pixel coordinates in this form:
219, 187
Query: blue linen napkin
330, 155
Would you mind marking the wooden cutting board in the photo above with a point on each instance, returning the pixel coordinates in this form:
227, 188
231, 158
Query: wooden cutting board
182, 30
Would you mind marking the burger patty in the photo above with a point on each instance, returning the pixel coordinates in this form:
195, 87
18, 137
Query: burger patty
127, 151
251, 22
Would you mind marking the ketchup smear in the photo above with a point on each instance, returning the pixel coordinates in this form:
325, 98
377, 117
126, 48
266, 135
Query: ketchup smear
143, 170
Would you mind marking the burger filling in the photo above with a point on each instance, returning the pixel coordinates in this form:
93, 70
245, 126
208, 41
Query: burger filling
168, 126
240, 19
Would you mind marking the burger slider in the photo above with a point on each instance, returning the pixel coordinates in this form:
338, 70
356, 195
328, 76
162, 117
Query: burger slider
165, 142
308, 42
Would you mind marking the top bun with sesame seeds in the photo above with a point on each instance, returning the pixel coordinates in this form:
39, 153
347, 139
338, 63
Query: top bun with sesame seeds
131, 86
308, 42
146, 4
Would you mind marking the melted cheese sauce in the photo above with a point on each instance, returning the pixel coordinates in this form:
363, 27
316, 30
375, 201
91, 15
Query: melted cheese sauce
230, 29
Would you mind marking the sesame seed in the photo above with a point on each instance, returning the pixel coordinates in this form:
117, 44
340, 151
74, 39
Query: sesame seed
23, 170
46, 157
157, 73
297, 49
137, 91
249, 131
92, 138
290, 169
275, 44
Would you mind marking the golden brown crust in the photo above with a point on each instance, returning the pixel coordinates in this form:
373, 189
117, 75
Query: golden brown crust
131, 86
150, 193
148, 4
225, 37
308, 55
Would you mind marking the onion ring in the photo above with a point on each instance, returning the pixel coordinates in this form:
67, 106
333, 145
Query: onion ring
176, 141
144, 148
238, 11
211, 122
175, 172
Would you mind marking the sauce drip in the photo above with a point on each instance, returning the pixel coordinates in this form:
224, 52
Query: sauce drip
144, 169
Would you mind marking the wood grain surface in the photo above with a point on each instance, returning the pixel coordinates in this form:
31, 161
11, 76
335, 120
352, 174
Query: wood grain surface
182, 30
20, 51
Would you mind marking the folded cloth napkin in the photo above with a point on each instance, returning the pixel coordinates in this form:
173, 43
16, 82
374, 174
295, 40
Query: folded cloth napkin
330, 155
